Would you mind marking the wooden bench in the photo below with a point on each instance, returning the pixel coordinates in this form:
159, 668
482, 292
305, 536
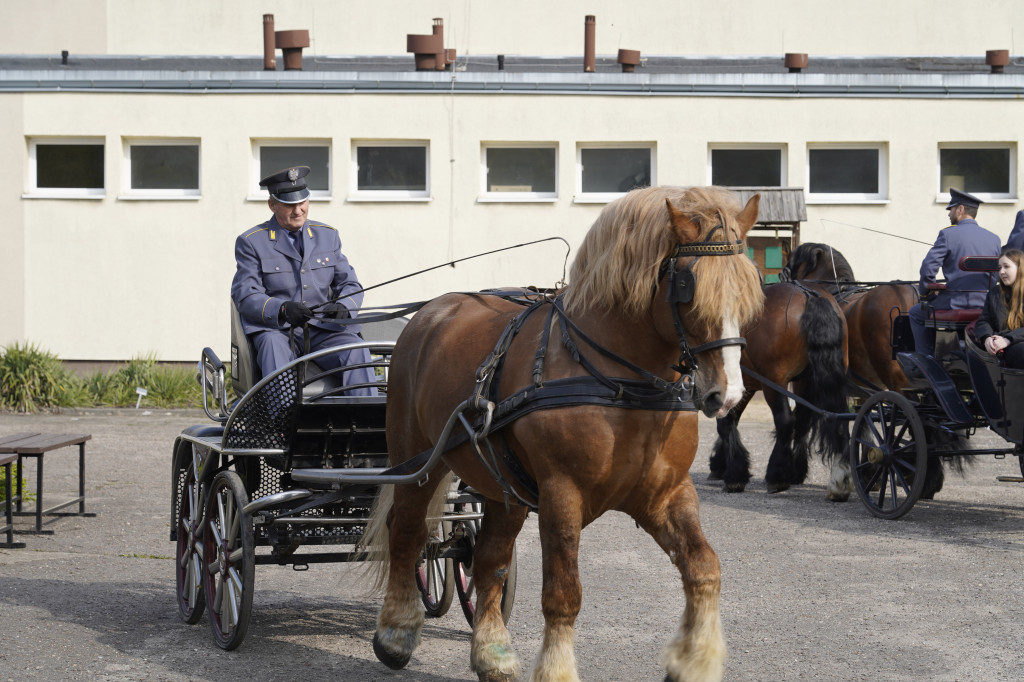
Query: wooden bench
7, 461
25, 445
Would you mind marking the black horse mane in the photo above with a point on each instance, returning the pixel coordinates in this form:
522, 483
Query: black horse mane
821, 261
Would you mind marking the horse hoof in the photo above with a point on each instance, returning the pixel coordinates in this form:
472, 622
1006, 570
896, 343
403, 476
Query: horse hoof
716, 475
495, 676
389, 658
734, 487
776, 487
837, 497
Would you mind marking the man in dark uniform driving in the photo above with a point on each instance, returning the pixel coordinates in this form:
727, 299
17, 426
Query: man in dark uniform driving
964, 237
285, 266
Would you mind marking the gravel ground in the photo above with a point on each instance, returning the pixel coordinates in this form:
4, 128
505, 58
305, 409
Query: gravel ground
811, 590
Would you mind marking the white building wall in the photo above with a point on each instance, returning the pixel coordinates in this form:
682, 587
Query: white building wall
113, 278
527, 27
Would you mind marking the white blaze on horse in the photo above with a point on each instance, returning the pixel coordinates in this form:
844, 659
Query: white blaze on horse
593, 395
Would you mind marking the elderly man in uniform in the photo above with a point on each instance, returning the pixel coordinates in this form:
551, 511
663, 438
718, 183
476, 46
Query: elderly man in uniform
288, 264
964, 237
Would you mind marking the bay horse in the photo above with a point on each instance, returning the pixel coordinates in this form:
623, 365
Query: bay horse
646, 332
869, 313
799, 337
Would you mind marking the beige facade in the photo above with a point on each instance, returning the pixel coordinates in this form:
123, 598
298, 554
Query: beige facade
114, 276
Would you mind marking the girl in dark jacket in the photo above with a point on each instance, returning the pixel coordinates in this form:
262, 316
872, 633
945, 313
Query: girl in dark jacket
1001, 325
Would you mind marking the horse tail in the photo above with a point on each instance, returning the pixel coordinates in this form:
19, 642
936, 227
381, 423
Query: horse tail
374, 548
824, 380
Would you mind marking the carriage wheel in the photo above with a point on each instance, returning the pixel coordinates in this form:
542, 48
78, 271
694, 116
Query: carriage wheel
464, 586
888, 454
435, 576
229, 556
189, 554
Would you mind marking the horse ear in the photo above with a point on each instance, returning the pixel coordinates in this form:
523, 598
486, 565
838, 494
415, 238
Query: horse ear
748, 216
684, 229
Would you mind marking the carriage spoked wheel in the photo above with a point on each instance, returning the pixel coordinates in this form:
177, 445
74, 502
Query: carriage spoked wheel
435, 576
229, 560
888, 454
189, 554
464, 586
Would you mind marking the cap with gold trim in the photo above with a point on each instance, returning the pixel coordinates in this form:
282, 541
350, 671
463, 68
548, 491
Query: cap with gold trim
958, 198
289, 185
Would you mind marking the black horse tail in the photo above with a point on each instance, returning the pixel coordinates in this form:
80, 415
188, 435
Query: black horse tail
823, 382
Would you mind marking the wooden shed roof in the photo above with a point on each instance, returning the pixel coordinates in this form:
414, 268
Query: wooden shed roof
779, 205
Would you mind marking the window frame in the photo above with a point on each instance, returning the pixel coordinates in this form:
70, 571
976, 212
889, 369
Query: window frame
33, 191
582, 197
942, 195
879, 197
257, 193
515, 197
130, 193
780, 147
393, 195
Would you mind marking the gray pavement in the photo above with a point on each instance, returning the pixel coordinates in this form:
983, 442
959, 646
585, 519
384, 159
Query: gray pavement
811, 590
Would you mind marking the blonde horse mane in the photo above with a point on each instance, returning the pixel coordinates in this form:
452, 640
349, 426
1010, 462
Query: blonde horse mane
617, 266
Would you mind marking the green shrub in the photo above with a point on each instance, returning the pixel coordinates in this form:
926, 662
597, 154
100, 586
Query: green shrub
32, 378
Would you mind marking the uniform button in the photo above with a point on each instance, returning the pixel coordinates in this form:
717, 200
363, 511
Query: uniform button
276, 268
305, 286
303, 271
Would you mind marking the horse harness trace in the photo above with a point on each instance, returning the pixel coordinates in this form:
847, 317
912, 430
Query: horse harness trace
650, 392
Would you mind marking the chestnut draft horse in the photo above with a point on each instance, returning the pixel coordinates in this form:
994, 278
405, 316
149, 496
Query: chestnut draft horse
799, 337
869, 313
661, 283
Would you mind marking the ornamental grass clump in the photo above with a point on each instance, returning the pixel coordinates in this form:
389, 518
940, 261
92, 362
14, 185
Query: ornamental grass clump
32, 379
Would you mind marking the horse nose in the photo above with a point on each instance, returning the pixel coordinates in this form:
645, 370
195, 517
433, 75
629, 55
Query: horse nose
711, 402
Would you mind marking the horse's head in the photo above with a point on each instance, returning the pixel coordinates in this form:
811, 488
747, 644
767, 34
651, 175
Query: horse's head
713, 289
817, 262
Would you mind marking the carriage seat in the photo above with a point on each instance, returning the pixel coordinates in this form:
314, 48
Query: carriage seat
965, 315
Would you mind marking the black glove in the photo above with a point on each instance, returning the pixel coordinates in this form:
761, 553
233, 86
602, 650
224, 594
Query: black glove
335, 310
294, 313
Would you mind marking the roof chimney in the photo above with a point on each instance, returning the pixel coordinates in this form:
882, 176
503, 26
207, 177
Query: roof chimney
629, 60
997, 59
429, 50
589, 34
291, 44
269, 61
795, 61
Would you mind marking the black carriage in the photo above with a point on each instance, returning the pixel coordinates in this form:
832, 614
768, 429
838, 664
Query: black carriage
287, 475
898, 436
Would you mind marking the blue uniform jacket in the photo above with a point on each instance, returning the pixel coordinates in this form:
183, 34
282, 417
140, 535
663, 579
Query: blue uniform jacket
270, 272
963, 289
1016, 238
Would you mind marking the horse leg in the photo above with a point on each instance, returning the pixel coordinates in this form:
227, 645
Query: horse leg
934, 477
730, 459
779, 474
401, 615
491, 653
560, 522
697, 652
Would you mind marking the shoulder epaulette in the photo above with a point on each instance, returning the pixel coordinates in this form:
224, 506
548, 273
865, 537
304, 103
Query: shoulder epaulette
316, 223
258, 229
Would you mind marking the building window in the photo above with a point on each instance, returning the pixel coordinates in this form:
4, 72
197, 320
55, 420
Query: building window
747, 166
66, 168
989, 171
271, 156
519, 172
847, 173
390, 171
607, 171
162, 168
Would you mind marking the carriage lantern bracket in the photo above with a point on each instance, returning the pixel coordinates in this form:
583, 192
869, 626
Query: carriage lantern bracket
429, 50
997, 59
795, 61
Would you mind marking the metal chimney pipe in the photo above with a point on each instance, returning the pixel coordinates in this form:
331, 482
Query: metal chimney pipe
269, 43
589, 37
997, 59
795, 61
63, 57
501, 62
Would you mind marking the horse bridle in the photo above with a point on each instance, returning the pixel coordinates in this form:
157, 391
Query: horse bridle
681, 286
